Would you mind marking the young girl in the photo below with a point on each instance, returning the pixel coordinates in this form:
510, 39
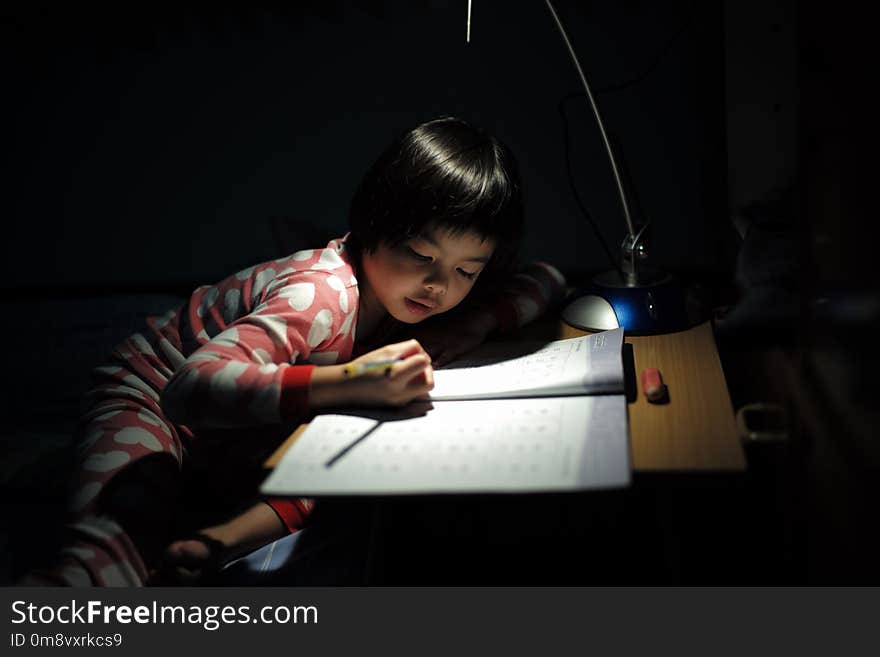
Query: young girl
178, 422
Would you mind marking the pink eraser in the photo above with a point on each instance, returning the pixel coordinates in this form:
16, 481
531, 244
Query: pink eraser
652, 384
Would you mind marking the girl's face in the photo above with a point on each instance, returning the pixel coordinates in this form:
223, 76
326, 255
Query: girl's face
426, 275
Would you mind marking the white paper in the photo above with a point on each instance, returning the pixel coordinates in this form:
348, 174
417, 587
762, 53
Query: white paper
591, 364
522, 445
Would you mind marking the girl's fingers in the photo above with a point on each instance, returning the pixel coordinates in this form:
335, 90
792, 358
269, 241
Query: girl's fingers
406, 349
415, 374
429, 375
418, 386
409, 367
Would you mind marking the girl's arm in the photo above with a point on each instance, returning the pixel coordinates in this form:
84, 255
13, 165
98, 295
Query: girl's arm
527, 295
245, 376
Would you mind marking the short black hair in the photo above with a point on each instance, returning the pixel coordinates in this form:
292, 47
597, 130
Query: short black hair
446, 174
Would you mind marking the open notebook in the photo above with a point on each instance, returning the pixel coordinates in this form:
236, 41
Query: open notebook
512, 417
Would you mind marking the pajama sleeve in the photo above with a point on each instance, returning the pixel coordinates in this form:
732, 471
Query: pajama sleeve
246, 375
292, 512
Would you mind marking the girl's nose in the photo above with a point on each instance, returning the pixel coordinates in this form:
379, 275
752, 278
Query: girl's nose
435, 283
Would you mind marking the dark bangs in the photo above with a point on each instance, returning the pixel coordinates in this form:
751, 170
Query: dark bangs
444, 174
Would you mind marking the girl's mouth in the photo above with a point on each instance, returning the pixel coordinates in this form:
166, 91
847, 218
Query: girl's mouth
417, 307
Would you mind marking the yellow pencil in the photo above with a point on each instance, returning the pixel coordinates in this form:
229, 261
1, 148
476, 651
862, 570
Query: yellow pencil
382, 367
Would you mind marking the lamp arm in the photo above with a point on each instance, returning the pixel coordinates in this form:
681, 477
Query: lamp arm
620, 190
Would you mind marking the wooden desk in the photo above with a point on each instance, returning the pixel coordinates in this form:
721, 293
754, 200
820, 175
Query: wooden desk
695, 431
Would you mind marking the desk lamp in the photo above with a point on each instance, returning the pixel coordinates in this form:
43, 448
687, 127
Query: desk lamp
638, 298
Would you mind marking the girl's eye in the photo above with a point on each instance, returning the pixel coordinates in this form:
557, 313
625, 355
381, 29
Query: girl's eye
468, 275
418, 256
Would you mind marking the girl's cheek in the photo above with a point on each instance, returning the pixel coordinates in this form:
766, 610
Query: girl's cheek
400, 263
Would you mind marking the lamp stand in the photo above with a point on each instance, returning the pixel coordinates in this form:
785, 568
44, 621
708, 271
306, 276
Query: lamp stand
639, 299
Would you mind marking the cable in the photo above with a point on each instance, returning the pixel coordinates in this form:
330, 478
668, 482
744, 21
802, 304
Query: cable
611, 88
577, 196
659, 58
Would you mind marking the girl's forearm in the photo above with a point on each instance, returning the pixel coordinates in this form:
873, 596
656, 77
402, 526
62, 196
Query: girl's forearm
329, 387
252, 529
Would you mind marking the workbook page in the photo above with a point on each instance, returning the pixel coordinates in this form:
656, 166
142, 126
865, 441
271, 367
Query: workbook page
591, 364
522, 445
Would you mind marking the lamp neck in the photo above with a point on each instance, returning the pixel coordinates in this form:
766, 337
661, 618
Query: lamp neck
624, 204
633, 249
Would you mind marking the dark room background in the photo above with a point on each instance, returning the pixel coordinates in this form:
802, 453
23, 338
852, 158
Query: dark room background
154, 146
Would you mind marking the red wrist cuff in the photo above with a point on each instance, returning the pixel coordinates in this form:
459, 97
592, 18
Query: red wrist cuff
295, 391
292, 513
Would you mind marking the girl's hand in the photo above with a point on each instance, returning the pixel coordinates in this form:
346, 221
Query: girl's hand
410, 378
447, 340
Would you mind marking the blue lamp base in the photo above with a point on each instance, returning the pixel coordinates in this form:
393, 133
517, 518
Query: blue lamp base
658, 304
